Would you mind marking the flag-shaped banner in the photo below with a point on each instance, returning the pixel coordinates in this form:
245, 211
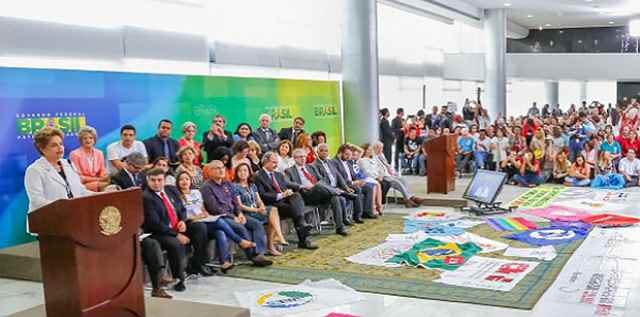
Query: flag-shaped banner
511, 224
435, 254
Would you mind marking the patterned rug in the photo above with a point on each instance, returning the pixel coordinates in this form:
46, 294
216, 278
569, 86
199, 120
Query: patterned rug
329, 262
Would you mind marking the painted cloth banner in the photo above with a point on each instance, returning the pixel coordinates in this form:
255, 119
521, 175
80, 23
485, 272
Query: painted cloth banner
537, 197
304, 297
599, 278
378, 255
510, 224
546, 253
488, 273
486, 245
435, 254
608, 220
557, 213
550, 235
33, 98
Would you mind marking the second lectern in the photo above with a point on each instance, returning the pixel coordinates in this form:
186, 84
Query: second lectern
90, 255
441, 165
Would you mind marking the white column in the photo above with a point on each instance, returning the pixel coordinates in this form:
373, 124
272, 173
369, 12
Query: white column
495, 81
360, 71
583, 93
552, 91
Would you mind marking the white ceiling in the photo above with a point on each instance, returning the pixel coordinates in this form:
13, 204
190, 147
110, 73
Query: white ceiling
565, 13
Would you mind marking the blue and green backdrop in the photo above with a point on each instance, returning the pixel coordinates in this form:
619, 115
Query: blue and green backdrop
33, 98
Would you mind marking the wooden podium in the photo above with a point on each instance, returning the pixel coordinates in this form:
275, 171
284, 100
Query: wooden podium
90, 255
441, 165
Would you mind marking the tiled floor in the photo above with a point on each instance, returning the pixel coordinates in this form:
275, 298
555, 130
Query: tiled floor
19, 295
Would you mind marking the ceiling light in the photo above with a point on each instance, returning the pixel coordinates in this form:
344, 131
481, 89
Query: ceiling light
547, 25
507, 4
540, 28
610, 22
634, 27
529, 16
588, 0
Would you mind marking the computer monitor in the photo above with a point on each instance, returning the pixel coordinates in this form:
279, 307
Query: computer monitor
485, 186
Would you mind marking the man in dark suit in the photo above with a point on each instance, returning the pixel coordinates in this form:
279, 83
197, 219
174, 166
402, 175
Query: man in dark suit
276, 191
313, 191
265, 136
216, 137
386, 133
292, 133
363, 206
162, 144
131, 174
396, 125
331, 177
165, 219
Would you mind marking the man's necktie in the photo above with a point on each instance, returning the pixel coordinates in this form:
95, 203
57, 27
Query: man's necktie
166, 148
308, 176
331, 177
275, 184
171, 213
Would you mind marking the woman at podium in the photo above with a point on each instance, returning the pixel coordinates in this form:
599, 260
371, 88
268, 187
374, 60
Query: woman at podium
51, 177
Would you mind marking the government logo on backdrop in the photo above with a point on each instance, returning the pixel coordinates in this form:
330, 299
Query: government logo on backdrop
27, 124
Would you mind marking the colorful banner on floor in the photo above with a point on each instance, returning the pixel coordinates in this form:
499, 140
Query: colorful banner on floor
537, 197
33, 98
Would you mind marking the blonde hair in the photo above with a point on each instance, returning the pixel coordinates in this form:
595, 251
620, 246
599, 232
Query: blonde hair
184, 149
255, 146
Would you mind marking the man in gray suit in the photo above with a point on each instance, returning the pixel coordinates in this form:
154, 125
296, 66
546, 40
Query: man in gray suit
363, 205
332, 178
314, 190
265, 136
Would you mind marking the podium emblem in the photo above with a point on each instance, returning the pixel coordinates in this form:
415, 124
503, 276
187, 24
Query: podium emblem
109, 221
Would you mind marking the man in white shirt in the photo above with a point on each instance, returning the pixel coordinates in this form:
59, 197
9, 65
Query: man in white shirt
629, 167
484, 145
118, 151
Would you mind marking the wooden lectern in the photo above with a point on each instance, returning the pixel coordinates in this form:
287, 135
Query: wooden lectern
441, 165
90, 255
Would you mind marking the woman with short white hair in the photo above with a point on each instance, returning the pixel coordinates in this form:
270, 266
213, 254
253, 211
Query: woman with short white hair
390, 176
89, 161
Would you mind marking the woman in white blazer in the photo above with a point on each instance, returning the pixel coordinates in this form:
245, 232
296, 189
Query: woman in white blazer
51, 177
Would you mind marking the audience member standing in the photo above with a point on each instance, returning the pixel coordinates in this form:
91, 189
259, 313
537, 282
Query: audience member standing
386, 134
265, 136
189, 130
118, 151
216, 137
397, 125
162, 144
292, 133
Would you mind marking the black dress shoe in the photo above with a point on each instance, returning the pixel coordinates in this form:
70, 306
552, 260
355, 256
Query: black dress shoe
203, 270
347, 223
179, 287
358, 221
342, 231
306, 244
367, 216
260, 261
